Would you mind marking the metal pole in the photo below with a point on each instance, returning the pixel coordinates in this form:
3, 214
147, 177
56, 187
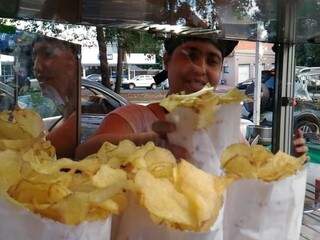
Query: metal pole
78, 97
285, 75
257, 87
1, 70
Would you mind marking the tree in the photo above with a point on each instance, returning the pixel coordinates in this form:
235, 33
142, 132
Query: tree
126, 40
121, 54
308, 55
104, 67
84, 35
129, 41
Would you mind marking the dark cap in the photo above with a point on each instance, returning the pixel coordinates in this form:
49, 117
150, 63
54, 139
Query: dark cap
225, 46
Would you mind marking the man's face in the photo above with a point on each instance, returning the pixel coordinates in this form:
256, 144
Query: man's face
192, 65
53, 64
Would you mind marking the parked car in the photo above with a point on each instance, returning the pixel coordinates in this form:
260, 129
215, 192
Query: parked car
306, 109
140, 81
264, 77
307, 70
164, 84
96, 102
94, 77
97, 78
6, 79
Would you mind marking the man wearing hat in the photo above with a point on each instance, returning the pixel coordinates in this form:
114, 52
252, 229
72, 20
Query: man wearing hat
190, 63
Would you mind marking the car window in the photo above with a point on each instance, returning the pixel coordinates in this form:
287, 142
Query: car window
307, 91
96, 102
6, 100
45, 106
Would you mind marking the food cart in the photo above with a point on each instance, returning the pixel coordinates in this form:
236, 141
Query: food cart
286, 24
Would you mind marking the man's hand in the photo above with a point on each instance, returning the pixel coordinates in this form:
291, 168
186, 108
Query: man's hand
162, 128
299, 144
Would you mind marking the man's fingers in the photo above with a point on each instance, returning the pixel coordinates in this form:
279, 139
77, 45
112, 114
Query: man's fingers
302, 149
179, 152
161, 142
298, 134
299, 141
163, 127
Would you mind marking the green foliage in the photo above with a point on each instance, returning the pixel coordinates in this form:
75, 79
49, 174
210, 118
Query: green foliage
8, 8
133, 41
34, 100
7, 29
147, 43
308, 55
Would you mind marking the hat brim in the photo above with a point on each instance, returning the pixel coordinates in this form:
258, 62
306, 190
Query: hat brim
225, 46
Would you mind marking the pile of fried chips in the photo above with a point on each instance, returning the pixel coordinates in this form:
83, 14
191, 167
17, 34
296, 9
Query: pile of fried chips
19, 129
64, 190
191, 201
176, 194
204, 102
256, 162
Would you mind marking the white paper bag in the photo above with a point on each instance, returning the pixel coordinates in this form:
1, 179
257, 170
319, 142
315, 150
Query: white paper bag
256, 210
206, 145
136, 224
17, 223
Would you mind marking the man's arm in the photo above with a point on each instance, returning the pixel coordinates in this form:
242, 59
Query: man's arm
112, 129
63, 137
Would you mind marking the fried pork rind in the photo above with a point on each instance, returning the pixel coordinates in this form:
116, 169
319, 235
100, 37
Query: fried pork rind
158, 161
68, 191
178, 195
64, 190
10, 165
256, 162
20, 124
192, 201
20, 129
204, 102
162, 200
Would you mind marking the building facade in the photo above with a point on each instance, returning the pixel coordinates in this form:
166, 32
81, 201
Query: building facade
240, 65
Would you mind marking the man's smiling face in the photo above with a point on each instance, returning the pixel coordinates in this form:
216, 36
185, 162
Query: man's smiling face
192, 65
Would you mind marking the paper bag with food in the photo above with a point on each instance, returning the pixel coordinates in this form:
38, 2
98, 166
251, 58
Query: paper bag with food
45, 198
206, 123
168, 200
19, 223
266, 202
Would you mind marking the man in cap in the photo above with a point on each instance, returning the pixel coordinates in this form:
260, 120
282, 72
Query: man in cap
190, 63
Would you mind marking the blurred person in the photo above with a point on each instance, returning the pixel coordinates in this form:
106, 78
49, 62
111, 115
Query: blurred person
190, 63
56, 68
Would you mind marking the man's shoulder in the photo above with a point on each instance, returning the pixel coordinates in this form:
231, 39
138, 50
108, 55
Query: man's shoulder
135, 111
132, 107
139, 117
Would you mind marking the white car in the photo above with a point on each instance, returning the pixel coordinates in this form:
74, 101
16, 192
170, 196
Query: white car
145, 81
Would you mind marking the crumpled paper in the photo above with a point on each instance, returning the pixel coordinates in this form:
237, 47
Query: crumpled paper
136, 224
206, 145
257, 210
17, 223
